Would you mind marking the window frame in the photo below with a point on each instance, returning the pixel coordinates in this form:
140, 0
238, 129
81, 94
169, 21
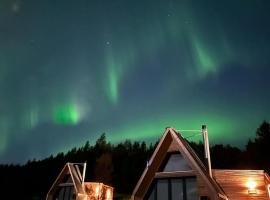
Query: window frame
153, 187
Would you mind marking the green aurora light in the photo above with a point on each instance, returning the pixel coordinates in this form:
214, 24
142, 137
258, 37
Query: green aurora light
66, 114
153, 128
130, 69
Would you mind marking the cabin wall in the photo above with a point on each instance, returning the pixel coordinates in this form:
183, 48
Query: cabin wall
234, 183
203, 188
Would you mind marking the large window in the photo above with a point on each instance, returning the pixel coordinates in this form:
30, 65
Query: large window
173, 189
65, 193
175, 162
65, 190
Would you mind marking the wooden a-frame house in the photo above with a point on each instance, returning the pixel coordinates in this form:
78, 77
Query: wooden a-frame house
175, 172
70, 185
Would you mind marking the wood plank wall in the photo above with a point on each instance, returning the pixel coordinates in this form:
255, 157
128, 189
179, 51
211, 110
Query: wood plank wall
234, 183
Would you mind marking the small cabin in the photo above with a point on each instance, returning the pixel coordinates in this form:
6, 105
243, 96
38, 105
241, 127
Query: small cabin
70, 185
175, 172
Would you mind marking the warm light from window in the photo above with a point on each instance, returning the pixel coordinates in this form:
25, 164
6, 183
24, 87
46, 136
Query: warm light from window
97, 191
251, 187
108, 194
268, 190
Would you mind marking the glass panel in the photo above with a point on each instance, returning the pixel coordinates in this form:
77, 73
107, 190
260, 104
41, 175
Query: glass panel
72, 193
176, 162
191, 186
61, 194
67, 191
162, 189
67, 179
152, 194
177, 189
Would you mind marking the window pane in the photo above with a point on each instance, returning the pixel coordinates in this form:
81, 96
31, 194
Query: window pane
72, 193
67, 191
176, 162
162, 189
177, 189
191, 186
61, 193
152, 194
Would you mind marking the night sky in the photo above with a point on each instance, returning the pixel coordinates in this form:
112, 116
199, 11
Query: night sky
71, 70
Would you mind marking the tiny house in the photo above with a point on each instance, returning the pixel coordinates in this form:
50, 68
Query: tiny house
70, 185
175, 172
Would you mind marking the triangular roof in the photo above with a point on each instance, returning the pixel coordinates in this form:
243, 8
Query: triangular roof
73, 170
173, 140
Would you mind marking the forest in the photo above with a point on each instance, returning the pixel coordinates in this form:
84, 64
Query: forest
121, 165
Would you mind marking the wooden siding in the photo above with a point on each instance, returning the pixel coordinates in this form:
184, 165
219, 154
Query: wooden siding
173, 147
175, 174
203, 190
234, 183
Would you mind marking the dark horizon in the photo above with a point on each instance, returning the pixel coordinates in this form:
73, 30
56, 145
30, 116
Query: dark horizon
194, 137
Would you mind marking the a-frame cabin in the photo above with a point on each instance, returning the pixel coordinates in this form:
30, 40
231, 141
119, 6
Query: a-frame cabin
70, 185
175, 172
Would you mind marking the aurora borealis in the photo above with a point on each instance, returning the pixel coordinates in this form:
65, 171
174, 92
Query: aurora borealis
71, 70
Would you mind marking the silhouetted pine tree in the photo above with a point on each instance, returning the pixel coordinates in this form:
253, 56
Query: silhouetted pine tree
120, 164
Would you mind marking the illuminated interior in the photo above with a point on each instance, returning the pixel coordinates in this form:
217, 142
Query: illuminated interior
98, 191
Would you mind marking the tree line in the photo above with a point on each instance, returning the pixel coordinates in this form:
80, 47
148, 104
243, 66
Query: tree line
121, 165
